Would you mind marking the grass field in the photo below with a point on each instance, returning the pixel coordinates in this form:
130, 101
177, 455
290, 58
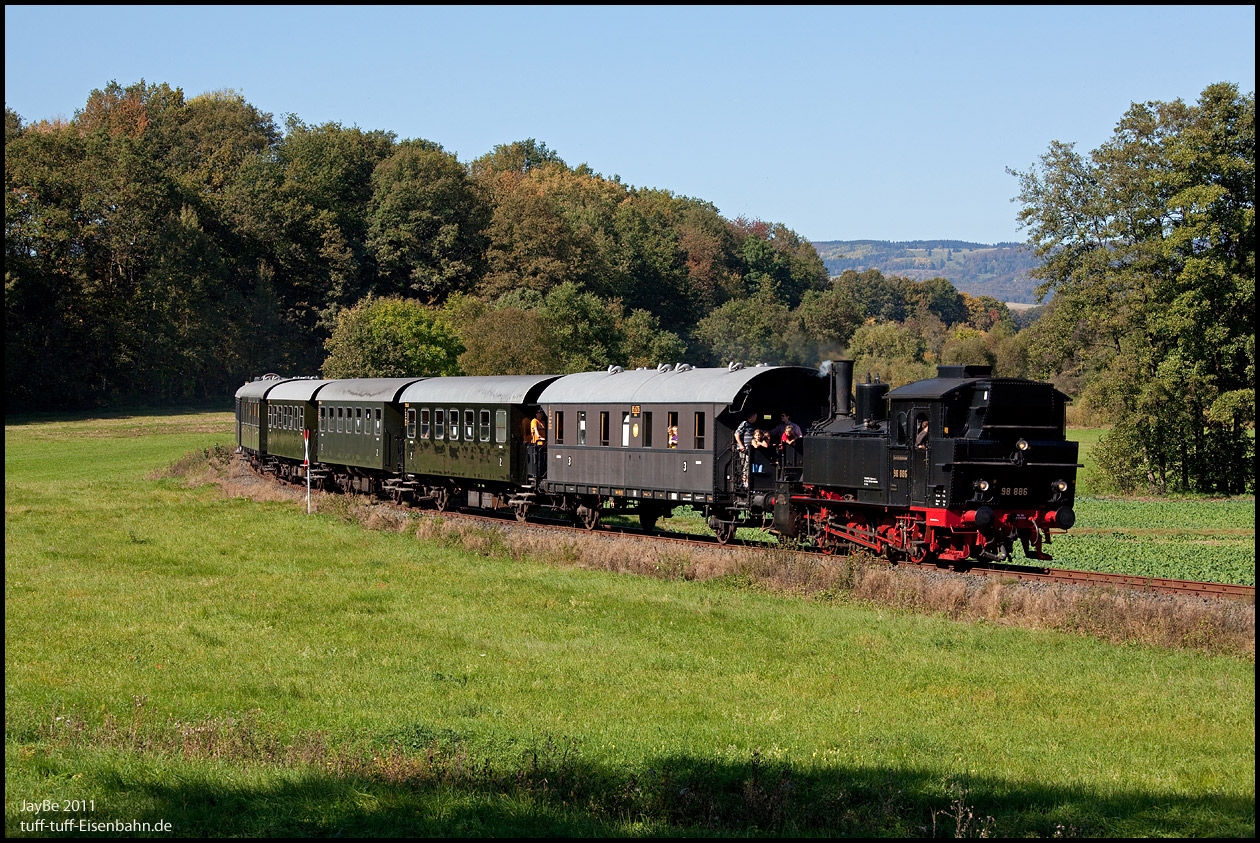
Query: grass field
235, 667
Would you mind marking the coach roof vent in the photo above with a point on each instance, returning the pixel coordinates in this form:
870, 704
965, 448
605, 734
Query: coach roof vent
734, 366
664, 367
612, 370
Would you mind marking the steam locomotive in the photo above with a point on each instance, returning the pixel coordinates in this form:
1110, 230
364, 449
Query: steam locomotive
961, 466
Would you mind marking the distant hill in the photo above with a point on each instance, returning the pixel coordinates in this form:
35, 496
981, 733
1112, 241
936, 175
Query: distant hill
1000, 271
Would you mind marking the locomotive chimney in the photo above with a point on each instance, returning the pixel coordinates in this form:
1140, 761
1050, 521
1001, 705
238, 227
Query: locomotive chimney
841, 387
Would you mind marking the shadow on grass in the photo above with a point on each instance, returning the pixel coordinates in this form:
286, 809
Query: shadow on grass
552, 792
190, 407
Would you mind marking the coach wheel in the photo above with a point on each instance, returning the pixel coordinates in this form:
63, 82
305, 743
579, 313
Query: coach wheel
647, 519
521, 510
441, 500
588, 516
725, 531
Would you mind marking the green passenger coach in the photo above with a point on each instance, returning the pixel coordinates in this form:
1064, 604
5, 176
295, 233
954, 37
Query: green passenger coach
360, 430
468, 435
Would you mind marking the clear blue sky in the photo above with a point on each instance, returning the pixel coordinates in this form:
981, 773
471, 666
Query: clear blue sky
844, 123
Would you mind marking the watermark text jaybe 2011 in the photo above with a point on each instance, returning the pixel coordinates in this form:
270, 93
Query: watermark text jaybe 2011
59, 822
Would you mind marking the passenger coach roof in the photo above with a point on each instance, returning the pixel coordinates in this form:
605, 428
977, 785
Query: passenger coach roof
365, 389
694, 386
497, 389
260, 388
303, 389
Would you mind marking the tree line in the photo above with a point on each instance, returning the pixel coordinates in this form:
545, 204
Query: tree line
161, 248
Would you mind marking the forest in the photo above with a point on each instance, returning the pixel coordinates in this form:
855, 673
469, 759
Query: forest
163, 248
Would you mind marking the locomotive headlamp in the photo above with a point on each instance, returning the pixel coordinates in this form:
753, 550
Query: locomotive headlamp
1059, 485
1022, 444
982, 485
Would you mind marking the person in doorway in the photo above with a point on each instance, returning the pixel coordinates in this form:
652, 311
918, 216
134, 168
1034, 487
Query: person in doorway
787, 433
538, 442
743, 443
921, 438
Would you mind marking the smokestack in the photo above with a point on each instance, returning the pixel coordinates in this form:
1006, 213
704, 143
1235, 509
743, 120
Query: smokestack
842, 386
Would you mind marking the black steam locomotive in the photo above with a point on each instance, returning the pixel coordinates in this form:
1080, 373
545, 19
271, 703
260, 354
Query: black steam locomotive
949, 469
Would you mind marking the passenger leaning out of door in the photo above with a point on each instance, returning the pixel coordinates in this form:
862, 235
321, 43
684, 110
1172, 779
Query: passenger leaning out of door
538, 442
743, 443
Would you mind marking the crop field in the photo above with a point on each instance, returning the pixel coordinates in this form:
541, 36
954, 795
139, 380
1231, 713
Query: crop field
234, 667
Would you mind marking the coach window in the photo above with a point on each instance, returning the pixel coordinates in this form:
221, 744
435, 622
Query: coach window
426, 421
500, 425
485, 425
699, 431
625, 430
321, 419
671, 430
647, 430
358, 419
452, 418
411, 424
469, 425
439, 424
559, 434
581, 427
377, 413
603, 428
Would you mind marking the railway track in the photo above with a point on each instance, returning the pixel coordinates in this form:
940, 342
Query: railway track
1063, 576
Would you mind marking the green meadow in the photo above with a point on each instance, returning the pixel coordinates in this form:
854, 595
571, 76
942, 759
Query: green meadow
239, 668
